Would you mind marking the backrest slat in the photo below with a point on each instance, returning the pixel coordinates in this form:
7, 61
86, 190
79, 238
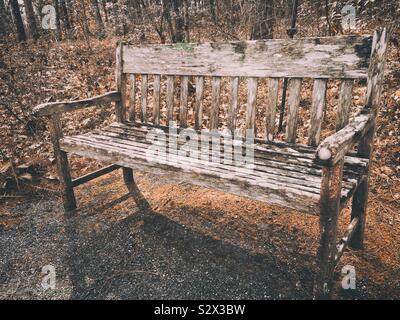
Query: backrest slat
120, 106
198, 107
132, 98
293, 109
344, 104
184, 101
251, 104
270, 114
216, 90
143, 114
323, 57
233, 104
317, 110
156, 99
170, 98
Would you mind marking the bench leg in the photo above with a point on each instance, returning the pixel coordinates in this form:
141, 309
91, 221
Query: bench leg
138, 197
360, 197
69, 200
329, 211
62, 164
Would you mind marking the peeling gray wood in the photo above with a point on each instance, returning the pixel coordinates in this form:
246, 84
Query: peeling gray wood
198, 107
47, 109
143, 92
334, 147
344, 104
170, 98
132, 99
251, 105
156, 99
233, 106
216, 92
120, 106
293, 110
184, 101
317, 111
330, 57
270, 112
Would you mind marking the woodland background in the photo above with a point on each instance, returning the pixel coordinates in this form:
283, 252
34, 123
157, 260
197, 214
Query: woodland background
77, 60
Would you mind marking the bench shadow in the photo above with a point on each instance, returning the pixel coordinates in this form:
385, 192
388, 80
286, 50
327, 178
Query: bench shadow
149, 256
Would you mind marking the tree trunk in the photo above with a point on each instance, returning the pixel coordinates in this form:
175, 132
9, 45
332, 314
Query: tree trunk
21, 35
104, 7
179, 35
262, 19
30, 18
186, 19
57, 18
84, 20
97, 16
66, 20
4, 20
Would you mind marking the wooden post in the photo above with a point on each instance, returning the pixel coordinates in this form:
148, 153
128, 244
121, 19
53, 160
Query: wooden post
374, 88
62, 163
331, 186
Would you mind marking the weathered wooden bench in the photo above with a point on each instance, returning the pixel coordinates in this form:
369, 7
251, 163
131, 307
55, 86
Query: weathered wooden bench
317, 178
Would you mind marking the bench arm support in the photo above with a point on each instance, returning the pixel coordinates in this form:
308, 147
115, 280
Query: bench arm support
48, 109
335, 147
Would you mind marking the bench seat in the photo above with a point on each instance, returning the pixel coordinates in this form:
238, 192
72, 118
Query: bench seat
283, 174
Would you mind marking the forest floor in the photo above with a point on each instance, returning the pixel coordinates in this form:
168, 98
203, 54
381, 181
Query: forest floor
195, 242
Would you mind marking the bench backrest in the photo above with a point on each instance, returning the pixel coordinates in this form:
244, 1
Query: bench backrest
155, 73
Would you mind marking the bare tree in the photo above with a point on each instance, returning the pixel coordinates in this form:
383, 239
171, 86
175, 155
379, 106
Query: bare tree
5, 27
31, 20
66, 19
97, 17
262, 19
21, 35
57, 18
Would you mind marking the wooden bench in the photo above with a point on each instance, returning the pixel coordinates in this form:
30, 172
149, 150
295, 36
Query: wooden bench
316, 178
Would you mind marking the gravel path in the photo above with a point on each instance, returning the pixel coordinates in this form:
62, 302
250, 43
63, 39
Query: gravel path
111, 249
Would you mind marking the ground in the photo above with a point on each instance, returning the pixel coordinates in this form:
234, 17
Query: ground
193, 243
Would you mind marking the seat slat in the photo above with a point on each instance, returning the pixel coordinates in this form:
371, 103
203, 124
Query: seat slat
317, 110
156, 99
198, 107
143, 114
270, 114
293, 110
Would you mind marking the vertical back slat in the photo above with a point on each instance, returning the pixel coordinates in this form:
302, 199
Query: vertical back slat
132, 99
120, 106
270, 114
317, 110
233, 104
156, 99
170, 98
251, 105
143, 92
216, 89
293, 109
198, 107
344, 105
184, 101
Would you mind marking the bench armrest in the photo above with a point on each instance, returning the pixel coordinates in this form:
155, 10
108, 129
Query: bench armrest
334, 147
47, 109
